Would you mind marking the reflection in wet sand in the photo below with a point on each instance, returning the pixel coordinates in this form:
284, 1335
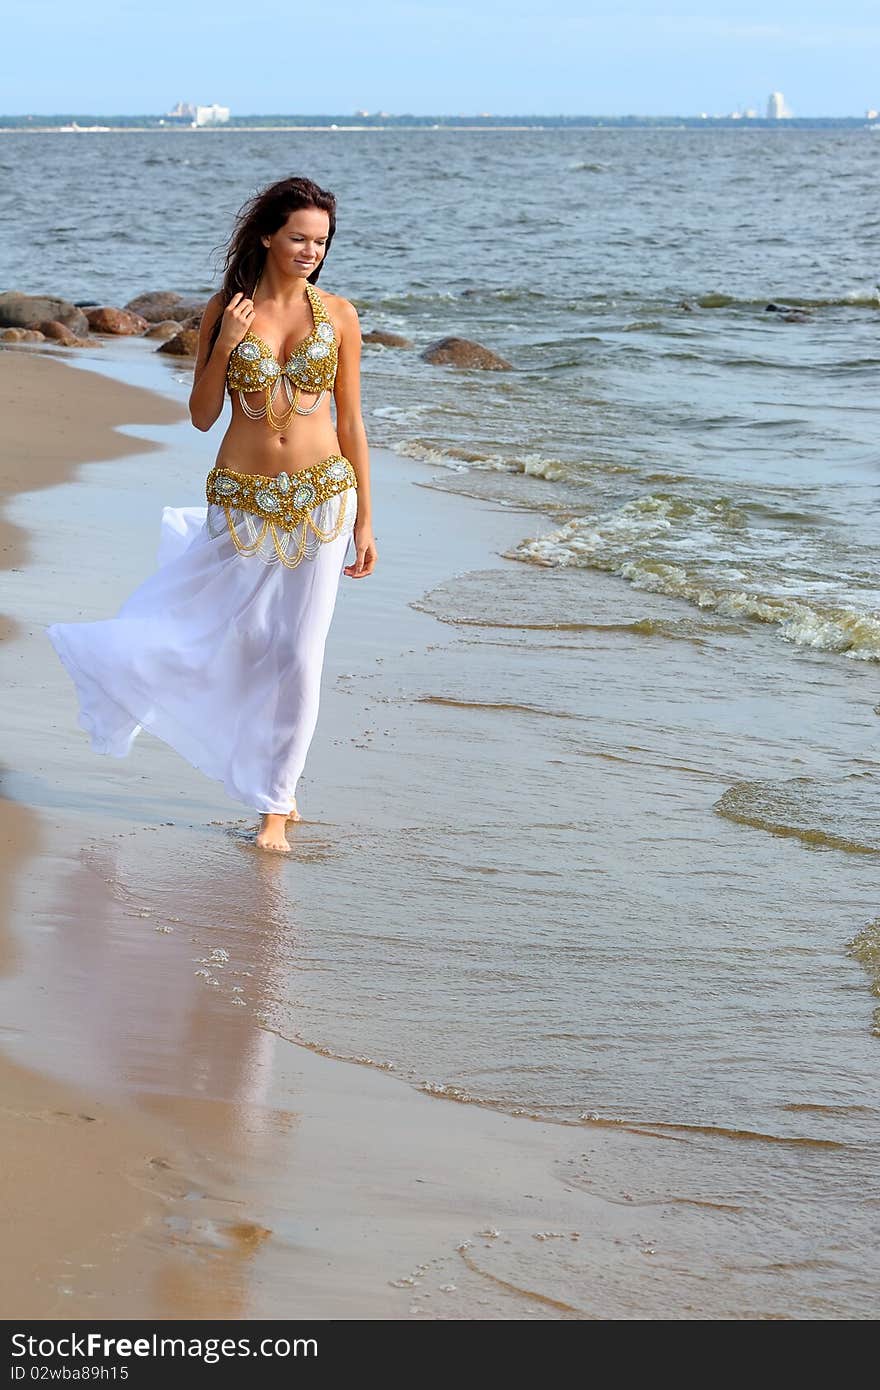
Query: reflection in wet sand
147, 974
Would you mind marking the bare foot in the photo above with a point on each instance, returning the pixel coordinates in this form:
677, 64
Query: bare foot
271, 833
293, 813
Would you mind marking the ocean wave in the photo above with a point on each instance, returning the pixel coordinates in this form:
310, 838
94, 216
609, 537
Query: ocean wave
552, 470
697, 529
865, 948
494, 294
840, 814
858, 299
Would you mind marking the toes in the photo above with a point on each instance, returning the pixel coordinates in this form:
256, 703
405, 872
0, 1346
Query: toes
281, 845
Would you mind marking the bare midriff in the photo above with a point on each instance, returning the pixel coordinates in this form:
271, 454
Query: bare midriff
252, 446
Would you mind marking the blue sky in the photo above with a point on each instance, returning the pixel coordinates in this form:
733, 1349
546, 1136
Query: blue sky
507, 57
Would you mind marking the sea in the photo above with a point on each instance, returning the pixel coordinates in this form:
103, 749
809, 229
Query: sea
629, 879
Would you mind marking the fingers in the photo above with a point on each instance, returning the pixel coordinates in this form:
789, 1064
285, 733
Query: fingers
240, 307
365, 563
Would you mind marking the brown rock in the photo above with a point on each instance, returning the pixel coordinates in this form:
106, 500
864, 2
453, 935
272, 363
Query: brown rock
461, 352
378, 335
106, 319
57, 333
183, 344
166, 329
191, 321
27, 310
155, 305
23, 335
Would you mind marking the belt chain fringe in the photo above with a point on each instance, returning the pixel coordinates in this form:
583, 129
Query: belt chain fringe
287, 516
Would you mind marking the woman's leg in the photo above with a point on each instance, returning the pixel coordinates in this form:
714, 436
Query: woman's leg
309, 598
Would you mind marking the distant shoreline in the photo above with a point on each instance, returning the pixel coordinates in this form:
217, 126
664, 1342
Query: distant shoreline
88, 125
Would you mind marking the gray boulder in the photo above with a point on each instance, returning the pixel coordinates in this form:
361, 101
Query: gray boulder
156, 305
19, 310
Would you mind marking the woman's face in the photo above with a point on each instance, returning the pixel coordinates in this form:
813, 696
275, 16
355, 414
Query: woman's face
299, 246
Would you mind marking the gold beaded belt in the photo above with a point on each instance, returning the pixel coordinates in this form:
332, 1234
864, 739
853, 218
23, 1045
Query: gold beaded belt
292, 511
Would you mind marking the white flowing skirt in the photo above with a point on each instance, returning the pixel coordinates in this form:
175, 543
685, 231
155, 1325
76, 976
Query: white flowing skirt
218, 654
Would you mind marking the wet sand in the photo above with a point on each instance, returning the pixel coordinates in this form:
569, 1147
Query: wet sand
167, 978
80, 1179
168, 1153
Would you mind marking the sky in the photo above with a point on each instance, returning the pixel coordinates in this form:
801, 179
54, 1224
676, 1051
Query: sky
503, 57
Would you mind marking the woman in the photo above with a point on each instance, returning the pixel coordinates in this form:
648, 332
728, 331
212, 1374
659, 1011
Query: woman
220, 651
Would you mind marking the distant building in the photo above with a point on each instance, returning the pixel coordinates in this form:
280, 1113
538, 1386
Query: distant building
183, 111
776, 107
211, 115
185, 114
871, 115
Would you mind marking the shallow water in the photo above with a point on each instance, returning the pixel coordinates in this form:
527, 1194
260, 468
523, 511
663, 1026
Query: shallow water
538, 860
593, 833
685, 438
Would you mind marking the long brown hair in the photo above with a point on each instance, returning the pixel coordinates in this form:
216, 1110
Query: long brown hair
260, 216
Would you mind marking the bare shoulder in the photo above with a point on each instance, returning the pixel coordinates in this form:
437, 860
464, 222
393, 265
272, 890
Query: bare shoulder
212, 310
340, 308
210, 314
332, 300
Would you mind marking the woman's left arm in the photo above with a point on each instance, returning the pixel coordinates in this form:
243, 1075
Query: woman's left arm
353, 436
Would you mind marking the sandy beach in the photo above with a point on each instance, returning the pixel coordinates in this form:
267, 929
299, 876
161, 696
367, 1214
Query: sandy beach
565, 1003
167, 1154
177, 1006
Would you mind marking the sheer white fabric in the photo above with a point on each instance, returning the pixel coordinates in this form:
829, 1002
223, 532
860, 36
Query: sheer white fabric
216, 653
271, 540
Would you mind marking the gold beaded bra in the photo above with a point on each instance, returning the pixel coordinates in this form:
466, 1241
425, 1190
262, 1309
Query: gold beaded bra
310, 367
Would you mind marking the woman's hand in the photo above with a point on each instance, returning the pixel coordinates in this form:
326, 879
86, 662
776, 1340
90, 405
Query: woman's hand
237, 318
367, 555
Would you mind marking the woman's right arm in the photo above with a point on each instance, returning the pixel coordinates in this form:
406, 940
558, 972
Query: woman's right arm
209, 378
